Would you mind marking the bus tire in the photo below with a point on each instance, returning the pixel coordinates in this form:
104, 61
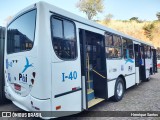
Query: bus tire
119, 89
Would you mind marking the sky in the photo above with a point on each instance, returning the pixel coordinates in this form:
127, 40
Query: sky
120, 9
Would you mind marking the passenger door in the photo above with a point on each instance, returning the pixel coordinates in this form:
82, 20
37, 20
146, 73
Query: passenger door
93, 66
154, 61
142, 68
137, 61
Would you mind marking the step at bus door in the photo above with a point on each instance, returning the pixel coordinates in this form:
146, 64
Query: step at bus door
154, 61
137, 62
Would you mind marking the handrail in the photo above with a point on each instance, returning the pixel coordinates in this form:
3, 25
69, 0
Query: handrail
97, 73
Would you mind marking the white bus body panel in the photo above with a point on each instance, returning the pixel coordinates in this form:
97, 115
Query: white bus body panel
118, 67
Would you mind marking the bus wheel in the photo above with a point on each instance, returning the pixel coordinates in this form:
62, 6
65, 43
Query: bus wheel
119, 89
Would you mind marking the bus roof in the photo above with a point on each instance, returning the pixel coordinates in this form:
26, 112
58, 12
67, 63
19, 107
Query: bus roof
64, 13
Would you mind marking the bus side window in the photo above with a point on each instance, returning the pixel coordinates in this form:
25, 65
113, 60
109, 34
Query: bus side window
128, 48
113, 45
63, 38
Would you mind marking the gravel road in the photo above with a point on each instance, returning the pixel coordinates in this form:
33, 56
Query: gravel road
144, 97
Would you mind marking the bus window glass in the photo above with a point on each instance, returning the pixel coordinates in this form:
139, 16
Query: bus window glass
57, 28
124, 48
128, 48
113, 46
64, 38
113, 52
108, 40
20, 33
148, 52
124, 43
117, 41
69, 30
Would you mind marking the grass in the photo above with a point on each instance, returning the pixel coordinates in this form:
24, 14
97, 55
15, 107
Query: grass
135, 29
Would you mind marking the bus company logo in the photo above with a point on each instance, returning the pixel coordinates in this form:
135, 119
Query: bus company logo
23, 78
27, 65
129, 60
8, 64
9, 77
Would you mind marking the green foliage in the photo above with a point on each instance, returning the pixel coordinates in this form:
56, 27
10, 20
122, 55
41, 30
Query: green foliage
148, 29
135, 19
158, 15
108, 18
91, 7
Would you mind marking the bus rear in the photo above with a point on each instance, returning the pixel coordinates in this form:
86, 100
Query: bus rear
39, 75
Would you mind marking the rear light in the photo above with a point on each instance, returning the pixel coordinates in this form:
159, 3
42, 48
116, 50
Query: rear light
17, 87
74, 88
58, 107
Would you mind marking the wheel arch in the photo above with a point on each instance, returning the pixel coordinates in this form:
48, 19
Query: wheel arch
124, 80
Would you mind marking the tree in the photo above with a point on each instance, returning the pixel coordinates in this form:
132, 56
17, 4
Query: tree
148, 31
91, 7
134, 18
108, 18
158, 15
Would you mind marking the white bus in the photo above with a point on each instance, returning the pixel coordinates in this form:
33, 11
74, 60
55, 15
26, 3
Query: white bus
58, 61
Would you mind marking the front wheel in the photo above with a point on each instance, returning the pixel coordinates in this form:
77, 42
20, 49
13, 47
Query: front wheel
119, 89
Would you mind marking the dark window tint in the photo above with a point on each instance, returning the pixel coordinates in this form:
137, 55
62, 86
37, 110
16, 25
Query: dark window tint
57, 28
113, 46
117, 41
147, 51
124, 43
108, 40
69, 31
128, 48
113, 52
64, 38
20, 33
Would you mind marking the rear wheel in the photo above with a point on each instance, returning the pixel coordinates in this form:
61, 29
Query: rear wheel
119, 89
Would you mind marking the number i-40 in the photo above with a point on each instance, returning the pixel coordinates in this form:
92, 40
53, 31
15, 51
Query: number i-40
71, 76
